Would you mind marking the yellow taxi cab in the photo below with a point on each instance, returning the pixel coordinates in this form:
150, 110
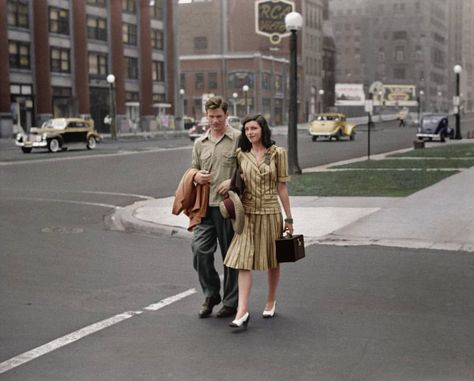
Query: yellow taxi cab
331, 125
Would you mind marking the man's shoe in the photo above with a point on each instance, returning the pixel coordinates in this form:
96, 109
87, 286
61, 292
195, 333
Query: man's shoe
208, 305
226, 311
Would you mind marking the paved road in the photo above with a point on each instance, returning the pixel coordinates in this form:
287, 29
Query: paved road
343, 314
358, 313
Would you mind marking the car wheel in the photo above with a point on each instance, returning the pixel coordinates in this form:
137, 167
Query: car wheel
26, 149
53, 145
338, 135
352, 136
91, 142
314, 138
442, 139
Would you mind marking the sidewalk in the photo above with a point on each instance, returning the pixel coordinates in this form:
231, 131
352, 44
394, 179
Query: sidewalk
438, 217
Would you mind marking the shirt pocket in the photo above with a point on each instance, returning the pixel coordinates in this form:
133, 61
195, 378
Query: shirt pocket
228, 159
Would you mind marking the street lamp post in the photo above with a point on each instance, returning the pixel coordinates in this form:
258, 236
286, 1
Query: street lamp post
181, 111
458, 70
321, 104
440, 94
113, 125
420, 108
293, 22
245, 89
234, 96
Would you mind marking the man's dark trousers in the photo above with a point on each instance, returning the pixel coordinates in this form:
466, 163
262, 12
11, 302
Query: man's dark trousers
213, 228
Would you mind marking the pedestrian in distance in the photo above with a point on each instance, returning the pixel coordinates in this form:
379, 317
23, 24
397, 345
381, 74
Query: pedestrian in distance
263, 167
401, 118
214, 158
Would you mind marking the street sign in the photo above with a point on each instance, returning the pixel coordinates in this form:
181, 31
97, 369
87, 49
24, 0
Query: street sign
270, 18
369, 106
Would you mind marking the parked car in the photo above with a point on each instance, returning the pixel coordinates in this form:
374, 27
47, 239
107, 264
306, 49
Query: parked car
331, 125
59, 133
188, 122
435, 126
199, 129
234, 121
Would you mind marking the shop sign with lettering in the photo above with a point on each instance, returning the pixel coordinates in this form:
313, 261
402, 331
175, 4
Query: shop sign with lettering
270, 18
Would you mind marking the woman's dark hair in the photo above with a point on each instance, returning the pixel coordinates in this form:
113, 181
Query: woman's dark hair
244, 143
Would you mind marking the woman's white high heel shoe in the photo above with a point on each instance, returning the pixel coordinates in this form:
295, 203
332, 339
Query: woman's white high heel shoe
269, 313
242, 322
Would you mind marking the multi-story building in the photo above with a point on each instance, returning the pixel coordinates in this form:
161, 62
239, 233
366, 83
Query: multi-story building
461, 49
55, 56
394, 42
221, 52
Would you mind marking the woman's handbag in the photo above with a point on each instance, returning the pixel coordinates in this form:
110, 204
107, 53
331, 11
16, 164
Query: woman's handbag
290, 248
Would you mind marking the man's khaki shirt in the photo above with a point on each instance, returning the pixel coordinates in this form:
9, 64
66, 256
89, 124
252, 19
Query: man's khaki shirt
218, 158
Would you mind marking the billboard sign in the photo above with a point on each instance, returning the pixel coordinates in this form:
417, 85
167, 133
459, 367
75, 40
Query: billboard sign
400, 95
270, 18
350, 94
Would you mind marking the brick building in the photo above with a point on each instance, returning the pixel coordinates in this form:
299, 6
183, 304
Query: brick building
220, 52
55, 56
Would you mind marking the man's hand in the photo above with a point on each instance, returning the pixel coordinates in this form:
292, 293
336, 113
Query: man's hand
224, 187
202, 177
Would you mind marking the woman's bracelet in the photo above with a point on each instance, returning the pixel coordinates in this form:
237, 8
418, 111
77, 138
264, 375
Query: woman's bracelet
289, 221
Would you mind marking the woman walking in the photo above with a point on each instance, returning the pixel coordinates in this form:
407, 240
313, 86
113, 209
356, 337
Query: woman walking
264, 168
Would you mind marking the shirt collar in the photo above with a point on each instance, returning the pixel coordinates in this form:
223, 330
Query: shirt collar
228, 132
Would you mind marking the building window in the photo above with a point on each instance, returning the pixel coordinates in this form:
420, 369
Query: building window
157, 10
131, 67
18, 13
98, 64
132, 96
157, 39
96, 28
100, 3
158, 72
399, 54
58, 20
212, 80
199, 81
19, 53
200, 42
182, 81
267, 81
60, 60
129, 34
129, 6
159, 98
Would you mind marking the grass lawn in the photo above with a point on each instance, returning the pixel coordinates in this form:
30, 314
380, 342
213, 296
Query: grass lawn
450, 150
414, 163
386, 183
363, 183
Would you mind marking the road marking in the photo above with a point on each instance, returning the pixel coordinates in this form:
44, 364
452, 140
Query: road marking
170, 300
122, 153
86, 331
85, 191
119, 194
66, 201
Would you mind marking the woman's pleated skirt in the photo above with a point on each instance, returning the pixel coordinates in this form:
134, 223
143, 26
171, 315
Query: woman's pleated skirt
254, 248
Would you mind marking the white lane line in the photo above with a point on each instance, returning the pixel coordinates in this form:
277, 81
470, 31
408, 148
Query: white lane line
170, 300
66, 202
86, 331
98, 156
120, 194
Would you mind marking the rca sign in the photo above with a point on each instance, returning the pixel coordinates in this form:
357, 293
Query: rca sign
270, 18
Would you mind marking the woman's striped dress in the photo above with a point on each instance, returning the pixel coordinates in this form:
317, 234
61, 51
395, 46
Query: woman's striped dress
254, 248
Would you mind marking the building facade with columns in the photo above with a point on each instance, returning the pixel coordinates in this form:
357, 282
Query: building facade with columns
55, 56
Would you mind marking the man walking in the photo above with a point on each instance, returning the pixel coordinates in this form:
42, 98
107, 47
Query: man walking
214, 157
